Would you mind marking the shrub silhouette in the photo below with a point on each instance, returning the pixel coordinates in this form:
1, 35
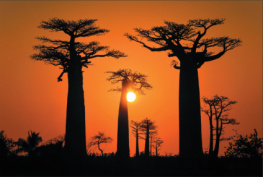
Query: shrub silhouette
245, 146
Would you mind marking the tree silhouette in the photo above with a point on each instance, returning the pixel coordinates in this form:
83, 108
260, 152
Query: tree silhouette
149, 128
219, 106
52, 148
187, 43
157, 143
6, 146
152, 137
72, 56
30, 144
136, 132
129, 80
246, 146
99, 139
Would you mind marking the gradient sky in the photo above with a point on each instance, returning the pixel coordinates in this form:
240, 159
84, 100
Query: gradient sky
32, 99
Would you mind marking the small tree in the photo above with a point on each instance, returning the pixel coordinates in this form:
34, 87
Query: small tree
129, 80
188, 44
148, 127
246, 146
98, 140
30, 144
136, 132
157, 143
219, 106
72, 56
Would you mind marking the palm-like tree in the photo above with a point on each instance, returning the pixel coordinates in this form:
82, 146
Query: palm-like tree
129, 80
30, 144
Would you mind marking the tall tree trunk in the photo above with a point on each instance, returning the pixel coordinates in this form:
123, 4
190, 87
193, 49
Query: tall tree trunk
146, 151
137, 143
75, 140
123, 150
189, 112
216, 150
211, 144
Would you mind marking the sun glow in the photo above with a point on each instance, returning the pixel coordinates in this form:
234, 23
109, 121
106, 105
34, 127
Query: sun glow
131, 96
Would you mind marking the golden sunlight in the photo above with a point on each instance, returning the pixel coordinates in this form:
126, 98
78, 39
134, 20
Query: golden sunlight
131, 96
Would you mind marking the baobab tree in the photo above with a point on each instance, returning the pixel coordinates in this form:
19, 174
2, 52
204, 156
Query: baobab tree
157, 143
187, 43
129, 80
136, 132
72, 56
148, 127
99, 139
219, 106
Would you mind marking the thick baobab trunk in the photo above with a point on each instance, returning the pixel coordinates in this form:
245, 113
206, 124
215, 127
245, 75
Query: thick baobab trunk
123, 150
137, 143
146, 151
189, 112
75, 139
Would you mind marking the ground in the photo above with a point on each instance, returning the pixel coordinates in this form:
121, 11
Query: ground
154, 166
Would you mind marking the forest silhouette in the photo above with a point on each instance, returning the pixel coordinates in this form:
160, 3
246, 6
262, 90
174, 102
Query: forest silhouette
71, 154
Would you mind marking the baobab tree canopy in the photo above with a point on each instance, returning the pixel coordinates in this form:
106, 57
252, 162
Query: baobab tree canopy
60, 52
186, 41
136, 81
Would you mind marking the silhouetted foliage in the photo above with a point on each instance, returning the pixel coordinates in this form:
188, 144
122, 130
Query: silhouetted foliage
30, 144
187, 43
98, 140
136, 132
219, 106
157, 143
6, 146
51, 149
148, 127
245, 146
72, 56
129, 80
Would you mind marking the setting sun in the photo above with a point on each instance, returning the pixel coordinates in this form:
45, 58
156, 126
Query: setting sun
131, 96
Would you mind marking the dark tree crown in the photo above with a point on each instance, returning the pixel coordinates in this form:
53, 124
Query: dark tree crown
63, 52
135, 127
186, 41
148, 124
79, 28
135, 80
100, 138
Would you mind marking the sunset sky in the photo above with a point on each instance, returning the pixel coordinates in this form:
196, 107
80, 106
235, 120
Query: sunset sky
32, 99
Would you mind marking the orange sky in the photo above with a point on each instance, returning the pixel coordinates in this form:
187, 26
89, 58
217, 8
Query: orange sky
31, 97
